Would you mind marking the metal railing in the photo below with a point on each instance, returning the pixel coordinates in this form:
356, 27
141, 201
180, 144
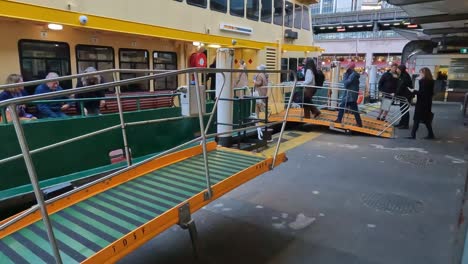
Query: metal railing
323, 100
11, 105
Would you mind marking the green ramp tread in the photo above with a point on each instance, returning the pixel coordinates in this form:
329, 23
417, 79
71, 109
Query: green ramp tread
87, 227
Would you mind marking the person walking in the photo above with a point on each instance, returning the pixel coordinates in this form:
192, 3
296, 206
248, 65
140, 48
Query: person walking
309, 83
388, 84
349, 98
404, 84
423, 110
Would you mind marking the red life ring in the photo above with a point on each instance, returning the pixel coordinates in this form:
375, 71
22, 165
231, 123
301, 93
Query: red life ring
198, 60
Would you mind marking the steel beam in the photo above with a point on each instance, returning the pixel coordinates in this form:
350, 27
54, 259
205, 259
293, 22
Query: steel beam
438, 31
438, 18
409, 2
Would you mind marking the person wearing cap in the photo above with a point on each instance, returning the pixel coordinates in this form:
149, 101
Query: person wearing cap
404, 84
92, 106
349, 98
51, 110
388, 84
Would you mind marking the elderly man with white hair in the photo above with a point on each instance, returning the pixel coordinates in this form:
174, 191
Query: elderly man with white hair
51, 110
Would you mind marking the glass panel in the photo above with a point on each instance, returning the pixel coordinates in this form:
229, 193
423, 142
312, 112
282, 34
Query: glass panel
278, 12
252, 9
134, 59
137, 56
315, 9
218, 5
237, 7
288, 15
165, 61
284, 66
305, 18
266, 10
200, 3
297, 16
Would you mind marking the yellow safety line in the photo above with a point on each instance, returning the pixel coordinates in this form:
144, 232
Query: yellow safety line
292, 142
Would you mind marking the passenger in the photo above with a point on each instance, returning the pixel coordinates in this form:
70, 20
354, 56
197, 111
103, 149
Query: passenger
14, 93
93, 106
388, 84
423, 110
260, 88
404, 84
242, 79
212, 78
52, 110
349, 98
310, 80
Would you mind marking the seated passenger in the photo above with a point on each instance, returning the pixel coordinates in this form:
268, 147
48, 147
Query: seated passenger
13, 93
93, 106
52, 110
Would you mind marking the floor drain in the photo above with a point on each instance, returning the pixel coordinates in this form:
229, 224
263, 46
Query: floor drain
392, 203
414, 159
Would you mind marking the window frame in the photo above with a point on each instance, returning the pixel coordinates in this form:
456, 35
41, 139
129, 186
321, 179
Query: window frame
224, 11
176, 64
21, 57
120, 66
247, 10
234, 14
205, 5
306, 10
285, 17
268, 19
94, 46
296, 16
277, 18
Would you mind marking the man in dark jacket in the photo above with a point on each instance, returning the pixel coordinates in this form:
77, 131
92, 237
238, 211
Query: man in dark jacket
404, 82
388, 84
349, 98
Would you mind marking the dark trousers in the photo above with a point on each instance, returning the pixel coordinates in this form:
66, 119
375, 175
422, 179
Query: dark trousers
310, 108
351, 106
428, 124
404, 121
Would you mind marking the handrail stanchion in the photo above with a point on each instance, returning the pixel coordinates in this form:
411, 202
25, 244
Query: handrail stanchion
82, 108
283, 125
122, 124
33, 177
209, 193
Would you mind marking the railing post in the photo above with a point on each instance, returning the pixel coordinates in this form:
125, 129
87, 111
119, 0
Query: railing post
33, 177
122, 124
82, 108
4, 117
138, 104
203, 136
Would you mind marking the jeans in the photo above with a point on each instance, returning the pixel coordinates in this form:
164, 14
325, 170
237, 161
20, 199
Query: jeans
351, 106
428, 124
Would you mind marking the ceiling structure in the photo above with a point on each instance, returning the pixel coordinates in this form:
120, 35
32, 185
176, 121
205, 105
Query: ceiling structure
441, 20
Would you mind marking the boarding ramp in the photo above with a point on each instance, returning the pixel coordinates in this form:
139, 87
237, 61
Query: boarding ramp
329, 108
104, 220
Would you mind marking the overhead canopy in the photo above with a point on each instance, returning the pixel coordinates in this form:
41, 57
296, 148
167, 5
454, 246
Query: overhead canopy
438, 18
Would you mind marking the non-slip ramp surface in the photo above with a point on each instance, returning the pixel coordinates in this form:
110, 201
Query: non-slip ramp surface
120, 213
370, 126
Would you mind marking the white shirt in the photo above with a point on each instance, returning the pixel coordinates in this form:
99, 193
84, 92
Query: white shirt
309, 78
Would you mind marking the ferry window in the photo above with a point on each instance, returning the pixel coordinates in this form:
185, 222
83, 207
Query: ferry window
200, 3
288, 14
134, 59
278, 12
218, 5
99, 57
297, 16
305, 18
284, 66
165, 61
237, 7
37, 58
252, 9
266, 11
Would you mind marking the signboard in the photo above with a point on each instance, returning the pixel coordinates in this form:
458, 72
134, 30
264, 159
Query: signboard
238, 29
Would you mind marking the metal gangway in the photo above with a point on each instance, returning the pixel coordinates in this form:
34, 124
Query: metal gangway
329, 107
102, 221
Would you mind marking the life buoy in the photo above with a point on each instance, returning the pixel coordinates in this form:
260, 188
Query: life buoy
198, 60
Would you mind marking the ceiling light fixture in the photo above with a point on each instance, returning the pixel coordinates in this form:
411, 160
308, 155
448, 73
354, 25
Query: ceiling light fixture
55, 27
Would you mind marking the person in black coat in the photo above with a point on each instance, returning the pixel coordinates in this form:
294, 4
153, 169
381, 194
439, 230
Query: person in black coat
388, 84
423, 110
404, 84
212, 78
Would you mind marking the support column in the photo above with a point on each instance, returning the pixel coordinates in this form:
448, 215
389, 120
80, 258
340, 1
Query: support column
224, 60
334, 84
373, 92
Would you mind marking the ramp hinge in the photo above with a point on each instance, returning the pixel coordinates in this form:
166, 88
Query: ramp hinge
184, 216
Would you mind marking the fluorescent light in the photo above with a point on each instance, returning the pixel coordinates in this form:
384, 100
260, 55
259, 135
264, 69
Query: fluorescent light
396, 24
214, 46
55, 26
351, 26
406, 23
196, 43
340, 29
322, 27
360, 26
386, 24
330, 27
412, 26
368, 25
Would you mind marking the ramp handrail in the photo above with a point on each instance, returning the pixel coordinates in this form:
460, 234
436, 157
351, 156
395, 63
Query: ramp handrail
153, 74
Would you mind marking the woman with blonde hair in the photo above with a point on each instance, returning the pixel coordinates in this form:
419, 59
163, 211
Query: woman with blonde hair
14, 92
423, 110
